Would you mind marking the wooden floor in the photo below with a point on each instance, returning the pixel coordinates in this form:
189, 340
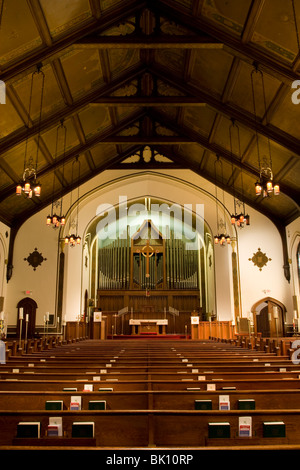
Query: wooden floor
152, 390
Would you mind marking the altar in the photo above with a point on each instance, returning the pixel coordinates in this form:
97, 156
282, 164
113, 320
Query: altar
148, 325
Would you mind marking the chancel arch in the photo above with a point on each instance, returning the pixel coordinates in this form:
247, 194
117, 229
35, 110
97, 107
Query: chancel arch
102, 205
158, 261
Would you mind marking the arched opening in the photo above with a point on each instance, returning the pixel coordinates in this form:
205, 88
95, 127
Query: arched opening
29, 307
177, 275
269, 317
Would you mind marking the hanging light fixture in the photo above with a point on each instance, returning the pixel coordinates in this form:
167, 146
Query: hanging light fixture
239, 217
54, 220
222, 238
264, 185
29, 185
74, 239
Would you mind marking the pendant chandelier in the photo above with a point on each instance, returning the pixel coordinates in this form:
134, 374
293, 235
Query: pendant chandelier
29, 185
265, 185
222, 238
56, 218
73, 238
239, 217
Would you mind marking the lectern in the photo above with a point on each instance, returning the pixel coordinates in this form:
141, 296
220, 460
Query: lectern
194, 327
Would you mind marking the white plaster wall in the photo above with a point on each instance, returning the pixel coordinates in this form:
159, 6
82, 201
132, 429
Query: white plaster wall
270, 281
4, 246
42, 282
293, 240
174, 186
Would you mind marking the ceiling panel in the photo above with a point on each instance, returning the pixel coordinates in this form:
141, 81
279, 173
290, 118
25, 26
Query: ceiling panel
18, 34
64, 15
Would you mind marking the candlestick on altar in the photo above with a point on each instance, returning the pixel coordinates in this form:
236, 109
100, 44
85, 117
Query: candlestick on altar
26, 330
20, 319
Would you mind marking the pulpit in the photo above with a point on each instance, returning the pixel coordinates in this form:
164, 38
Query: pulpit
194, 326
99, 326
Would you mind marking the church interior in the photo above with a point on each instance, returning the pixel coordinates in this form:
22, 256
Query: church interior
149, 223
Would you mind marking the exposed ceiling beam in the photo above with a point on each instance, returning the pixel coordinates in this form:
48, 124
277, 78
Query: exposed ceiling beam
82, 148
148, 101
28, 63
204, 174
230, 110
144, 41
222, 152
18, 221
251, 20
52, 120
247, 51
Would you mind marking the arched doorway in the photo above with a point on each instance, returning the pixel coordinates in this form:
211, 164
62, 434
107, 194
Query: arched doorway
269, 317
29, 308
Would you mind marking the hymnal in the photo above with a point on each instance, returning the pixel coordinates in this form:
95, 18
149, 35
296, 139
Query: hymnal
88, 388
57, 422
273, 429
97, 405
83, 429
224, 402
29, 429
218, 430
54, 405
75, 403
246, 404
203, 405
211, 387
245, 426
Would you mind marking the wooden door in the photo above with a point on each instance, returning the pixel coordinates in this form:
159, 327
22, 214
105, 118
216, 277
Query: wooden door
262, 322
29, 308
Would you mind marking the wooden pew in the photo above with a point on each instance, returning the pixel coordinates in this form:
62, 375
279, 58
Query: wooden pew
155, 380
150, 399
143, 428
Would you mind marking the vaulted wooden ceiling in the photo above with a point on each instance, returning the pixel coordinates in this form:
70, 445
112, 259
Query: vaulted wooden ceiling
169, 75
